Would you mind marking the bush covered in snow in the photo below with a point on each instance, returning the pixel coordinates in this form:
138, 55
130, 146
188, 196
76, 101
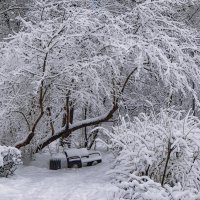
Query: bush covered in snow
158, 156
9, 158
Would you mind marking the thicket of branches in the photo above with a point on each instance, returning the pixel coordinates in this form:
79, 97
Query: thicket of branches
161, 148
71, 65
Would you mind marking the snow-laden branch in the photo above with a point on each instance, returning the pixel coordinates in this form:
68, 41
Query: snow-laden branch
91, 60
76, 126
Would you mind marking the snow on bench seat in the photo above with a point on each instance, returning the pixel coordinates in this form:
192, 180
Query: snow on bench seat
77, 152
82, 156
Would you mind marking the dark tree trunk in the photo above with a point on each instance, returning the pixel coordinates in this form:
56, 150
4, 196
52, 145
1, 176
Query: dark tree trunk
85, 130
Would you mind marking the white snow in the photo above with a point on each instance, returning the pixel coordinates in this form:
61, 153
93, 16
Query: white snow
77, 152
40, 183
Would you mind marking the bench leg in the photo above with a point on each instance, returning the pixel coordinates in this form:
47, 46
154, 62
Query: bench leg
89, 163
75, 164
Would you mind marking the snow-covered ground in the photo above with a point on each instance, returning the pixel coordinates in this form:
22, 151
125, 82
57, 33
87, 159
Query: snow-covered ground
34, 182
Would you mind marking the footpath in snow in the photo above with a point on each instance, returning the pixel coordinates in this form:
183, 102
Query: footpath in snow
36, 183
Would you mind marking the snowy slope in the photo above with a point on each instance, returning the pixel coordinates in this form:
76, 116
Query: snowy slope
36, 183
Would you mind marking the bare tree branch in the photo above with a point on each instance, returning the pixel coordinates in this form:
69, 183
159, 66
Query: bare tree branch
29, 128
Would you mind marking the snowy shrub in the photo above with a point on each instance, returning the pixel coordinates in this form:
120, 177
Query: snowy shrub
157, 152
9, 158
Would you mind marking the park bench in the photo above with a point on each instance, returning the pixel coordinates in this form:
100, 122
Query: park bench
79, 157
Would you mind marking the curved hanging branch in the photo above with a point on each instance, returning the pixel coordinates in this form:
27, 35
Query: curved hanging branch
127, 79
29, 127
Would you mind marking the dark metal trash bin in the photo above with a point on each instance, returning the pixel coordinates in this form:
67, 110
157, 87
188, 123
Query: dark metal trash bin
54, 164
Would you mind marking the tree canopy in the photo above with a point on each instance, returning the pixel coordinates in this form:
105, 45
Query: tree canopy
104, 57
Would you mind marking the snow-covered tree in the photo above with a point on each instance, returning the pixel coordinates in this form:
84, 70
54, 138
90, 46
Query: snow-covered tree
163, 148
9, 11
69, 57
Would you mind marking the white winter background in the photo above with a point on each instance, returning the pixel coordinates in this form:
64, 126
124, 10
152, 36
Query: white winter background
116, 76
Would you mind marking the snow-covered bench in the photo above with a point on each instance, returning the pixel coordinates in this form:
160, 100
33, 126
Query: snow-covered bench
78, 157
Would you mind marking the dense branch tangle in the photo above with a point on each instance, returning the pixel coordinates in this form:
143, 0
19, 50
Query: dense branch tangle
76, 57
68, 128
